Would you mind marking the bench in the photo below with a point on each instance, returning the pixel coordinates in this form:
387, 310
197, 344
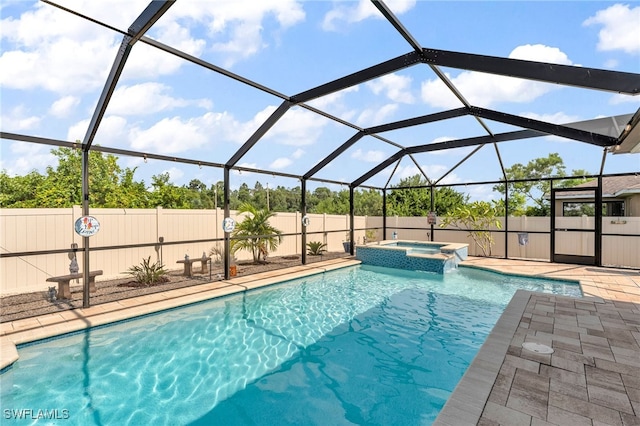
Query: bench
64, 292
188, 265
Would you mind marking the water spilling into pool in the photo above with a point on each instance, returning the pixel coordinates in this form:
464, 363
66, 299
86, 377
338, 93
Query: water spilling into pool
363, 345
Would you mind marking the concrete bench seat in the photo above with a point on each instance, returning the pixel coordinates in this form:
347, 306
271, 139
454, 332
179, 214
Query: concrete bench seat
64, 292
188, 265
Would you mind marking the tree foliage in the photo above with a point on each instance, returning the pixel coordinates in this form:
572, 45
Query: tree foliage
478, 218
417, 201
256, 233
112, 186
530, 197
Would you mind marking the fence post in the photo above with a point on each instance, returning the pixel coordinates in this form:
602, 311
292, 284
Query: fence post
76, 212
584, 246
298, 220
324, 230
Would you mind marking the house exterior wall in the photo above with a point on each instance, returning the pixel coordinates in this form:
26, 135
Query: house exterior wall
631, 204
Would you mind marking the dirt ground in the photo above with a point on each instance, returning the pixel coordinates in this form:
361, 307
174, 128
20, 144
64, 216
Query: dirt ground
32, 304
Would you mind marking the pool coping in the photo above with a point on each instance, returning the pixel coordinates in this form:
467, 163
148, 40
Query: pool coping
447, 250
488, 393
466, 403
47, 326
468, 400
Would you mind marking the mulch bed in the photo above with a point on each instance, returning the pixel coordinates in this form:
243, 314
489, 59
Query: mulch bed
28, 305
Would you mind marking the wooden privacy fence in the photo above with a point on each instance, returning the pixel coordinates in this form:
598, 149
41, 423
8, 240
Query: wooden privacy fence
127, 236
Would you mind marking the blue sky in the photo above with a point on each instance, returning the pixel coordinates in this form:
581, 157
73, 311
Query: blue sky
53, 66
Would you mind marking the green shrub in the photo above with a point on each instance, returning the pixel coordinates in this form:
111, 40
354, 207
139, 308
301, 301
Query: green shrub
148, 273
316, 248
217, 254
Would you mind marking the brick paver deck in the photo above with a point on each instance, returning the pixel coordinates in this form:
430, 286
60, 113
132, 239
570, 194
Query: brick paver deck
591, 378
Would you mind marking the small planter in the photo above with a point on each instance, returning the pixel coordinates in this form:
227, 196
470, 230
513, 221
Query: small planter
347, 246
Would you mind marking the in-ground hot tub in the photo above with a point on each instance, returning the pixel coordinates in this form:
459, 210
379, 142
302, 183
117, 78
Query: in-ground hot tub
413, 255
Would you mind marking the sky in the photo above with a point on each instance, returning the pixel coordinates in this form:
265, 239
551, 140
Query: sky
53, 66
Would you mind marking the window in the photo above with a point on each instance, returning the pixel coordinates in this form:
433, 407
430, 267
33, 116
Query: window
587, 208
615, 208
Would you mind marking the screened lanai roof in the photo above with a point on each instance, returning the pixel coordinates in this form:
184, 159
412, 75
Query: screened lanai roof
359, 93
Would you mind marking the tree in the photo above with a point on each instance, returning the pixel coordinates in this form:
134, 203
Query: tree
417, 201
61, 186
477, 218
255, 232
578, 178
168, 195
534, 189
367, 203
338, 203
20, 191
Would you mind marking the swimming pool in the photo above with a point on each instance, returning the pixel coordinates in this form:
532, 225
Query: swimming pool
359, 345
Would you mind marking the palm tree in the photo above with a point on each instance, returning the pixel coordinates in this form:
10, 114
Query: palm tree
257, 235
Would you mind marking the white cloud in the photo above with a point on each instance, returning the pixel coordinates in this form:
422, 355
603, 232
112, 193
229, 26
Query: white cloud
62, 66
298, 127
142, 55
346, 12
148, 98
173, 135
455, 152
332, 99
374, 116
620, 28
555, 118
624, 99
396, 87
176, 134
174, 174
480, 192
611, 63
280, 163
18, 119
112, 132
297, 154
27, 157
169, 136
237, 28
370, 156
485, 90
47, 48
247, 165
64, 106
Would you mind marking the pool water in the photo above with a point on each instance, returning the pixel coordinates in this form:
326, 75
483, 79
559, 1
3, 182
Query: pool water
421, 248
424, 250
362, 345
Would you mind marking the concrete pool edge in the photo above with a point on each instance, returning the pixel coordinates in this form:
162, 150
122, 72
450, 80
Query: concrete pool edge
402, 254
53, 325
467, 401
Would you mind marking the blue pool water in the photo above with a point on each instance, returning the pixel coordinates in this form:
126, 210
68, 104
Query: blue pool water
362, 345
422, 248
